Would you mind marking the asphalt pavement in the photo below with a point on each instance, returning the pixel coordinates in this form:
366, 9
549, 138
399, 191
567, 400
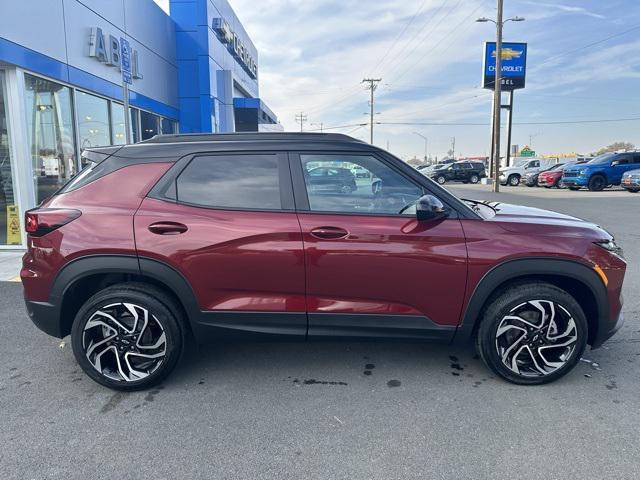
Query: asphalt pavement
311, 410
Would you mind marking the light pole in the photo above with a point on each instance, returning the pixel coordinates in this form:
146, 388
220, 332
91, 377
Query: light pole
426, 145
497, 89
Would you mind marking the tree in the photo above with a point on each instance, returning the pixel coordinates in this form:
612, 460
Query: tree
615, 146
414, 161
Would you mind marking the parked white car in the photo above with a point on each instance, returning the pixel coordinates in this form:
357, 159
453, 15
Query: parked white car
511, 175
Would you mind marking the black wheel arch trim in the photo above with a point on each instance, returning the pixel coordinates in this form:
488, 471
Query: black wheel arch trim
85, 266
532, 266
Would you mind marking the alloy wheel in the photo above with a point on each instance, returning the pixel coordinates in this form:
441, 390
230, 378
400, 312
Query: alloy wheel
124, 342
536, 338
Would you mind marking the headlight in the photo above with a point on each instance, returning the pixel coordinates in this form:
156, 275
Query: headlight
611, 246
582, 171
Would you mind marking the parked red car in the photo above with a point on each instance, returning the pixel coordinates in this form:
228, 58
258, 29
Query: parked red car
552, 177
219, 235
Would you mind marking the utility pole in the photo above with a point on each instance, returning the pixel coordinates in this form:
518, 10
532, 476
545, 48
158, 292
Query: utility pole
497, 92
426, 145
321, 125
373, 84
497, 99
453, 147
302, 118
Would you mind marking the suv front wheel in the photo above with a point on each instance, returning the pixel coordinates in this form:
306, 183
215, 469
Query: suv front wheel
532, 333
597, 183
514, 180
128, 336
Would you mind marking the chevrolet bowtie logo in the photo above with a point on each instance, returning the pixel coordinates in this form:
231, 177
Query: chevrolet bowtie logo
508, 54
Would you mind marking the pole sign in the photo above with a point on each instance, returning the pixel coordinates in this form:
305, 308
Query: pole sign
514, 65
125, 61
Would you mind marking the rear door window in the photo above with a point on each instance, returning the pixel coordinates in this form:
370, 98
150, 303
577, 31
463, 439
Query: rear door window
251, 182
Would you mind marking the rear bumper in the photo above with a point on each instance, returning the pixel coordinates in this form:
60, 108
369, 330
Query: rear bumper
46, 317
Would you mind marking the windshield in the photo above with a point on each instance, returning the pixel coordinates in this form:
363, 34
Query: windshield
607, 157
557, 167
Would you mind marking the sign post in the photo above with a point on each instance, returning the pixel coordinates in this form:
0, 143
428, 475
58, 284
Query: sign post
125, 66
513, 68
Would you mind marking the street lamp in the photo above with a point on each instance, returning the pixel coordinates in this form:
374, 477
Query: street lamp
426, 144
497, 89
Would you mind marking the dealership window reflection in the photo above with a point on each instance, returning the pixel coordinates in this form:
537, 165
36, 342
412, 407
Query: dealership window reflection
51, 135
118, 136
148, 124
9, 219
93, 120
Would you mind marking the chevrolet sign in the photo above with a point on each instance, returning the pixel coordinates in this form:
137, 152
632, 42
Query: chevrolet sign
514, 65
235, 45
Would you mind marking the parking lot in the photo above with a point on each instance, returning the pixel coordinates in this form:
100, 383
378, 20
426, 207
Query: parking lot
333, 409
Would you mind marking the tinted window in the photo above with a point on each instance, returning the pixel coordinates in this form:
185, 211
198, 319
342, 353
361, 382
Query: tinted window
623, 160
467, 166
381, 191
236, 181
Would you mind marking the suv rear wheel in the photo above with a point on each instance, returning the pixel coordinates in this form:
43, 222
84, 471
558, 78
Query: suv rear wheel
128, 336
532, 333
597, 183
440, 179
474, 178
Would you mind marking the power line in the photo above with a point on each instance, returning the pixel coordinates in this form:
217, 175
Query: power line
447, 35
484, 124
597, 42
425, 37
395, 41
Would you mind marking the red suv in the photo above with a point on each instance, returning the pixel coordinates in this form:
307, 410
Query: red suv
220, 235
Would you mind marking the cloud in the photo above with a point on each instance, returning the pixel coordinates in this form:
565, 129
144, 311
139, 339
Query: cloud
566, 8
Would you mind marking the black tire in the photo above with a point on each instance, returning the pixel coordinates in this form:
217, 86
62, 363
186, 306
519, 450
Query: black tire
597, 183
575, 189
163, 312
474, 179
516, 297
633, 190
513, 180
441, 180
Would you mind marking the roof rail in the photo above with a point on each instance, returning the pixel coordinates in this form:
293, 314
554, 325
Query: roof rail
249, 136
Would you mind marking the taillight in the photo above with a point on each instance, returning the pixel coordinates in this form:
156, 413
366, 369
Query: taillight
40, 221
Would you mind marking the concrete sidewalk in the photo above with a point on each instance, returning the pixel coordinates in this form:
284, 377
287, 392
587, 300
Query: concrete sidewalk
10, 263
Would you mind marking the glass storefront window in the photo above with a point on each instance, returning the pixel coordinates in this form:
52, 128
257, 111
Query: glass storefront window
148, 125
135, 126
117, 124
10, 230
167, 126
93, 120
51, 135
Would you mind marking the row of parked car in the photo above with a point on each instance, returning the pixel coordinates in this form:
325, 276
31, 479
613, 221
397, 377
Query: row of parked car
595, 174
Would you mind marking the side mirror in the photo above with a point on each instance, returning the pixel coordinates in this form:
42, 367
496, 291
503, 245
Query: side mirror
615, 163
429, 208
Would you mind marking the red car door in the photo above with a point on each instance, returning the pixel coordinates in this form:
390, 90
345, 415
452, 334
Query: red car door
371, 270
226, 222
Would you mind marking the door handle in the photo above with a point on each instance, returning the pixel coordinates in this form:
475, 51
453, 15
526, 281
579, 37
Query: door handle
167, 228
329, 232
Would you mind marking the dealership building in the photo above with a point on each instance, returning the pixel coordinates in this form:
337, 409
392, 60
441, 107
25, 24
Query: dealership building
61, 89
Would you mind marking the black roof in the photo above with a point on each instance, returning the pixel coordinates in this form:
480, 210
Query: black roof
172, 147
252, 136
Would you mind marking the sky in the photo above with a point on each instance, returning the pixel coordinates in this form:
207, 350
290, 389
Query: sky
583, 65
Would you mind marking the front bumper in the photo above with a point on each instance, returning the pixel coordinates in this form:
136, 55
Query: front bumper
606, 330
575, 181
630, 182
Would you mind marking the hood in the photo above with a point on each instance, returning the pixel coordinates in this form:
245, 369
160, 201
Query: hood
522, 219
